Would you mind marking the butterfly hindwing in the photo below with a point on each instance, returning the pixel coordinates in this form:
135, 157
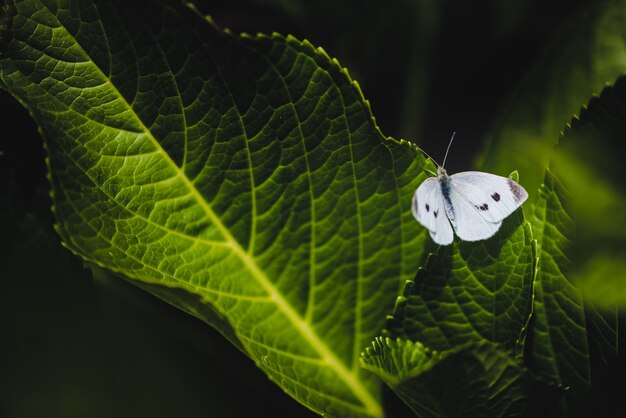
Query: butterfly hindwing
442, 234
492, 197
428, 209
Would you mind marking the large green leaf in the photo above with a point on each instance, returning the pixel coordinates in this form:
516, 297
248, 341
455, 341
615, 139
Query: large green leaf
471, 291
588, 53
480, 380
245, 171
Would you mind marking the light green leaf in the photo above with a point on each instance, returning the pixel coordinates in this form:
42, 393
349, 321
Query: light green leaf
471, 291
246, 172
396, 360
480, 380
588, 53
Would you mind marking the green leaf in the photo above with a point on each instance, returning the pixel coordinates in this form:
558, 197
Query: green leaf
557, 344
471, 291
589, 161
469, 294
482, 380
588, 53
396, 360
572, 340
245, 171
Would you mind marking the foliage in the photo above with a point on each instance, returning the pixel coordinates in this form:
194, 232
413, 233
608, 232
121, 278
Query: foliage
244, 180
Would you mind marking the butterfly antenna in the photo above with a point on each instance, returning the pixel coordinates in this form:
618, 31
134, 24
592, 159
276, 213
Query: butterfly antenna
426, 154
448, 149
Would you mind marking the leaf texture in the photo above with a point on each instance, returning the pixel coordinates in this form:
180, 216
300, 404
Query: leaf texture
480, 380
245, 171
558, 347
470, 292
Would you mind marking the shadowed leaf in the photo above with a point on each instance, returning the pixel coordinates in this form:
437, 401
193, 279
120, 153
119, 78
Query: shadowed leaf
480, 380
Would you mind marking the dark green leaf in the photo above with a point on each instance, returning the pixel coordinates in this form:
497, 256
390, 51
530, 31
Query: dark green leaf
558, 342
481, 380
572, 340
245, 171
471, 291
589, 161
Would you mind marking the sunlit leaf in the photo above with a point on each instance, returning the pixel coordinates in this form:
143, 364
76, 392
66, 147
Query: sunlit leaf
246, 172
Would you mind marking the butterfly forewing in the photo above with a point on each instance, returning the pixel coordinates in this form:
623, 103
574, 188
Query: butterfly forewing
492, 197
428, 209
468, 223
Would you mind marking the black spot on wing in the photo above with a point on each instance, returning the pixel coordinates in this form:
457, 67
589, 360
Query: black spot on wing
517, 190
495, 197
482, 207
435, 213
415, 205
427, 207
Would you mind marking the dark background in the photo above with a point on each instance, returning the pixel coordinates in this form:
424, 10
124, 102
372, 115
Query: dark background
74, 345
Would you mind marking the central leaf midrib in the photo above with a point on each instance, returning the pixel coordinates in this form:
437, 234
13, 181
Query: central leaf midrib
301, 325
351, 380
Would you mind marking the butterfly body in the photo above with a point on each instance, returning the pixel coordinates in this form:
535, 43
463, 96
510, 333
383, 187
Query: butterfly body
472, 203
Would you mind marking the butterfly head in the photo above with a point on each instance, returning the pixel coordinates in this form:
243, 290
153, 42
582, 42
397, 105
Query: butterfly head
442, 175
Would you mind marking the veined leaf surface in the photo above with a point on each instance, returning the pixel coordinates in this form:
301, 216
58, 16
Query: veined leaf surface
468, 296
469, 292
245, 171
478, 380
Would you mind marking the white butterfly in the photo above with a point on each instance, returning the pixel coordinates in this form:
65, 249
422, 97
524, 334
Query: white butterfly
475, 203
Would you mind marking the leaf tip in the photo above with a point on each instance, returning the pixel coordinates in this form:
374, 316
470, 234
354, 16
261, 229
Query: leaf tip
321, 51
514, 176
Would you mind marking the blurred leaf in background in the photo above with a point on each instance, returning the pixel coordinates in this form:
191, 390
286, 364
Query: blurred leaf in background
587, 52
590, 160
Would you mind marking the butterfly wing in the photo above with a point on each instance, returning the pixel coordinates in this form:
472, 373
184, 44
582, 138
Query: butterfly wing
492, 197
428, 208
468, 223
